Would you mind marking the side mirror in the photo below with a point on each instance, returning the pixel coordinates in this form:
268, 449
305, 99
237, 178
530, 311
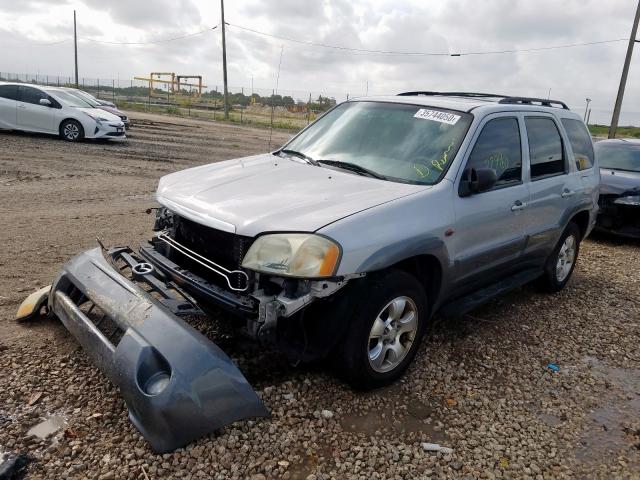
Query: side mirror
477, 181
46, 102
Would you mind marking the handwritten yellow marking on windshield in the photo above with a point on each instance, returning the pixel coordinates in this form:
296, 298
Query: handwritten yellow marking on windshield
440, 164
421, 172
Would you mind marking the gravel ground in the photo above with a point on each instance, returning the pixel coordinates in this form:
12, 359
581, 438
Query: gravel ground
479, 384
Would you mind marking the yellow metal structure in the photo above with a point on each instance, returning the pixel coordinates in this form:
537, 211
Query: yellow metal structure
175, 82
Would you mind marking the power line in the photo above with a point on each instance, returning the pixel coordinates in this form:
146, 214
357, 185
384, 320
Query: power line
151, 42
423, 54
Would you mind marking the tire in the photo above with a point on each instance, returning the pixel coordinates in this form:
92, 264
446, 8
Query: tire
562, 261
390, 298
71, 131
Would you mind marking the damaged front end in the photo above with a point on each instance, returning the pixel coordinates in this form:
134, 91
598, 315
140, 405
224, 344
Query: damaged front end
125, 310
620, 213
176, 383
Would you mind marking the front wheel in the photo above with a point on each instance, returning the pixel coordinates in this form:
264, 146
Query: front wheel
385, 330
71, 131
562, 260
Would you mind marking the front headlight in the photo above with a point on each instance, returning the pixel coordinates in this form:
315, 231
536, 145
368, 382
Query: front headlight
293, 255
632, 200
98, 120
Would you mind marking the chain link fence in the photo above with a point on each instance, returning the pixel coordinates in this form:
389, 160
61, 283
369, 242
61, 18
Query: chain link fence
285, 109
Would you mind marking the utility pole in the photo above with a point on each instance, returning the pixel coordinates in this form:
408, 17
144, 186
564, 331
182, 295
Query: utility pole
625, 72
75, 45
586, 108
224, 63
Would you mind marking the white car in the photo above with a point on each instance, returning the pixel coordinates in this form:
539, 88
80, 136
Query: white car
32, 108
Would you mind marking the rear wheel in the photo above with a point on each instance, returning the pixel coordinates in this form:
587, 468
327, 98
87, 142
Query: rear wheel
71, 131
562, 261
385, 330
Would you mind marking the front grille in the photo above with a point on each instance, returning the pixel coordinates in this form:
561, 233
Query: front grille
224, 248
115, 134
107, 326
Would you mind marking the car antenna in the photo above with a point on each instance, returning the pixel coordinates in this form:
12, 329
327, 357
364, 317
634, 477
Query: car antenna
273, 95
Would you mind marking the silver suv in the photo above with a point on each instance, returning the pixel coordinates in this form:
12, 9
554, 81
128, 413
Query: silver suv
343, 244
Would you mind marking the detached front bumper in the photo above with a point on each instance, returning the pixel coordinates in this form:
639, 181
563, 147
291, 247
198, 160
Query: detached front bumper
176, 383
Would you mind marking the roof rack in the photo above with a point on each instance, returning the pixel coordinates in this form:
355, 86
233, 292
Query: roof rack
545, 102
504, 99
451, 94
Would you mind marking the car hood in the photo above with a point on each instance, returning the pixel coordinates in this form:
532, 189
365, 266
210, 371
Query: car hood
113, 111
266, 193
617, 182
98, 112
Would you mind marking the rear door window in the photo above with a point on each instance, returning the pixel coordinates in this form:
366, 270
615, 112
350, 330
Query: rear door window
498, 147
545, 148
581, 143
32, 95
10, 92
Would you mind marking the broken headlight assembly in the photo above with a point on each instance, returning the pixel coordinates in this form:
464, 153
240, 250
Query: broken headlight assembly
632, 200
302, 255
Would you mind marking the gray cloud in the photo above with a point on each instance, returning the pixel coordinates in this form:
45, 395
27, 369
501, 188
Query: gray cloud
398, 25
156, 14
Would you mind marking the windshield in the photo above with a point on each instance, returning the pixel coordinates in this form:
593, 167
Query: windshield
69, 99
618, 156
87, 98
401, 142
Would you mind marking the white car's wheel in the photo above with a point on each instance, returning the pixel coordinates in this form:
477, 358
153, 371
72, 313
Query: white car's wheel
71, 131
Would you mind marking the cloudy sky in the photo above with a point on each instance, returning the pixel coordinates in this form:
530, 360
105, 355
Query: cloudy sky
36, 37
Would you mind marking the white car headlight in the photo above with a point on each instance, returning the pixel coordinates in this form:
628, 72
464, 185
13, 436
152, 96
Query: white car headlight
293, 255
99, 120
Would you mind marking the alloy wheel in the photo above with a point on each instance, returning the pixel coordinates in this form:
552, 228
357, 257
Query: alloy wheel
392, 334
566, 258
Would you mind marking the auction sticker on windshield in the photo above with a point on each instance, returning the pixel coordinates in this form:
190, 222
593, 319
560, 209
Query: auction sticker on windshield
436, 116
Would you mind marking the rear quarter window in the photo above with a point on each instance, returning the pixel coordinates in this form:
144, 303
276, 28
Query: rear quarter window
581, 143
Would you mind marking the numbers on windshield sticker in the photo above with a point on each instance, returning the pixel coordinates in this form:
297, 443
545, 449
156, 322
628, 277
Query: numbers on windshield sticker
437, 116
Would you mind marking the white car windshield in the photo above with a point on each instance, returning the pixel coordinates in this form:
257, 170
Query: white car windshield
394, 141
69, 99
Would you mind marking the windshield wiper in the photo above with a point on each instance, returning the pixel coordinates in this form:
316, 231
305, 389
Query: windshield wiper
353, 168
301, 155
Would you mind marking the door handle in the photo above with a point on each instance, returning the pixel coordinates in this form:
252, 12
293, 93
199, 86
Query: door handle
22, 106
518, 206
568, 193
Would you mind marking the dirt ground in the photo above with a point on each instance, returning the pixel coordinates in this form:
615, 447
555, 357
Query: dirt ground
479, 385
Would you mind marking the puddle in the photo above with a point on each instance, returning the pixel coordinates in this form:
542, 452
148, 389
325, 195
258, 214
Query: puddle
50, 426
550, 420
417, 420
612, 430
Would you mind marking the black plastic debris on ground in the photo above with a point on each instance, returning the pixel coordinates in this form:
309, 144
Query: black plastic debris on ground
14, 467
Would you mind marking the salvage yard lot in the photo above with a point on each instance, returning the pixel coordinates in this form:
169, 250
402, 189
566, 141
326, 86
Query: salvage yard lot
479, 384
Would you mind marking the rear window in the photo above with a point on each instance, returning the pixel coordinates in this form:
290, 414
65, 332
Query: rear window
581, 143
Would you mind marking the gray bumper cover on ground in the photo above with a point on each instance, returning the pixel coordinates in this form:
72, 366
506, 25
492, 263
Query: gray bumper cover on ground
202, 389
